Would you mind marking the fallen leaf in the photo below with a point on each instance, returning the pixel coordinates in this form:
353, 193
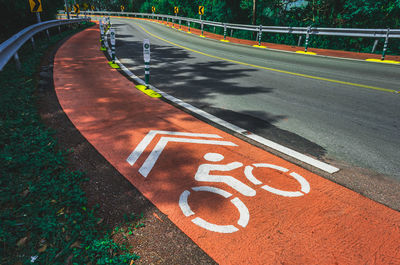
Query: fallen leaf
22, 241
42, 249
61, 211
76, 244
25, 192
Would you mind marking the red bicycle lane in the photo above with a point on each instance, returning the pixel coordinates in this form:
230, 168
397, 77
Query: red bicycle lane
240, 204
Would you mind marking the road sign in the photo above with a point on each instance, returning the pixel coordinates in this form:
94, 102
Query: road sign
76, 9
85, 6
146, 50
153, 9
92, 7
176, 10
36, 5
201, 10
122, 8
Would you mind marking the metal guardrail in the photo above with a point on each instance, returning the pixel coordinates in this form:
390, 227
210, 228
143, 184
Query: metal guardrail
10, 47
345, 32
307, 31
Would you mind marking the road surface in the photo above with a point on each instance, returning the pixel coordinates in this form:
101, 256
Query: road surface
356, 124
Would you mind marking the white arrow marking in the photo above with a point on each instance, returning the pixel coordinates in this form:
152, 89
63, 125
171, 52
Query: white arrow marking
150, 136
154, 155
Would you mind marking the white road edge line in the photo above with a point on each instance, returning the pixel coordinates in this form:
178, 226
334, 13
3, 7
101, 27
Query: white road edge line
280, 148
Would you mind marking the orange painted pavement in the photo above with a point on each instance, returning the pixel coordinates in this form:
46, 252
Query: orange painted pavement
328, 225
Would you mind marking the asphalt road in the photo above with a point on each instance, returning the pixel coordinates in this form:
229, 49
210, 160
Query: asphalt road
342, 122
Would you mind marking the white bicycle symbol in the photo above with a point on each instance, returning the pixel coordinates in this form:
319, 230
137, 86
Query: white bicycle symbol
203, 174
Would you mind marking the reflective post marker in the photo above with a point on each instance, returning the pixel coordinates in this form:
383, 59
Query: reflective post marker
101, 34
146, 57
112, 40
180, 24
188, 27
385, 45
307, 38
259, 36
224, 31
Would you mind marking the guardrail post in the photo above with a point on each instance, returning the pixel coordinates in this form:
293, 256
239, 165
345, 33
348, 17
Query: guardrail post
386, 44
17, 62
48, 34
299, 42
33, 42
59, 29
260, 36
374, 47
224, 31
231, 33
214, 29
307, 38
180, 25
188, 26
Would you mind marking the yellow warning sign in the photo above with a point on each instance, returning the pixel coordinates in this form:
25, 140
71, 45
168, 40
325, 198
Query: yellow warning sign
122, 8
201, 10
36, 5
76, 9
176, 10
153, 9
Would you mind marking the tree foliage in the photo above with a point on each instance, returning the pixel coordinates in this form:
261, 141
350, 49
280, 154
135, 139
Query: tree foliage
16, 15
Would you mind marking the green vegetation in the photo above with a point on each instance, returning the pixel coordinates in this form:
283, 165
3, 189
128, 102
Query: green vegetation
16, 15
44, 214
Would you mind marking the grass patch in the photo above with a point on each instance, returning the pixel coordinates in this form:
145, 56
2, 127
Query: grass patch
43, 211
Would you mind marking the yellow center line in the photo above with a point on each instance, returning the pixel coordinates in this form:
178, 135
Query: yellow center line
271, 69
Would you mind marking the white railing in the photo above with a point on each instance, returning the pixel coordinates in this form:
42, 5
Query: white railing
10, 47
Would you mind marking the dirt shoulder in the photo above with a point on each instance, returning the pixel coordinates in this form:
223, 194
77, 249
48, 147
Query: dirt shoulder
159, 241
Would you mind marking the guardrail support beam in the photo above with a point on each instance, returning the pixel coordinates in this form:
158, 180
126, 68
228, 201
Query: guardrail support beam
17, 61
299, 42
33, 42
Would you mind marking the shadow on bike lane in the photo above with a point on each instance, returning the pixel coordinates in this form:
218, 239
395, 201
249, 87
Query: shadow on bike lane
240, 204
